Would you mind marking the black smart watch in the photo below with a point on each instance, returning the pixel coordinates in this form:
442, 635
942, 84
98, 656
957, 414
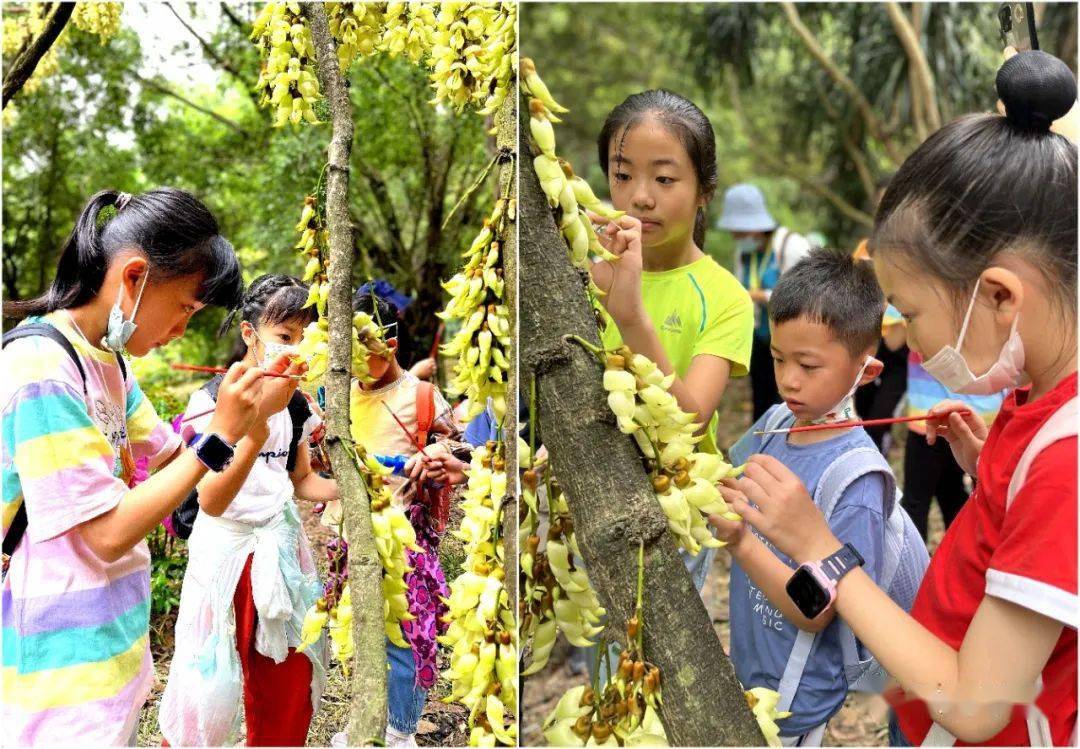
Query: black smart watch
214, 452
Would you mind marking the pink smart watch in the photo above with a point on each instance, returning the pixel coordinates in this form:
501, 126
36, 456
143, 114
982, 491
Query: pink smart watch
813, 586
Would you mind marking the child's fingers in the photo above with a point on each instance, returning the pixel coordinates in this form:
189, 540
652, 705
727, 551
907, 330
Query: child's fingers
236, 371
748, 512
960, 429
279, 364
251, 380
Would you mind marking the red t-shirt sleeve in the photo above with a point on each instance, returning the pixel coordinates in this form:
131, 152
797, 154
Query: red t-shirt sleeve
1034, 564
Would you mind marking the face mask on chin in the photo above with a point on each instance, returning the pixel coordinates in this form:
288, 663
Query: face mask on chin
949, 367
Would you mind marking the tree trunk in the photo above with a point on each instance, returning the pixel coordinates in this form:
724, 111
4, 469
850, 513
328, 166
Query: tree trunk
609, 493
28, 58
367, 715
507, 143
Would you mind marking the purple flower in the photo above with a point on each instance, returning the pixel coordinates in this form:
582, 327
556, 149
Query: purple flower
176, 423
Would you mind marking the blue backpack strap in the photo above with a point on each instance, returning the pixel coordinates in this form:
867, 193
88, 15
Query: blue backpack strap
844, 471
778, 418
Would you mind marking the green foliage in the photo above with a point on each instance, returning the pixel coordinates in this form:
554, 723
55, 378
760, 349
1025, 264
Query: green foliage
593, 55
168, 561
411, 163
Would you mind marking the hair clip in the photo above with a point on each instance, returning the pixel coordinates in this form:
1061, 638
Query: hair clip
122, 200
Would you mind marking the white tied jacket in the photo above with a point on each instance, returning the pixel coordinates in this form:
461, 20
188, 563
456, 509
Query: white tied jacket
202, 697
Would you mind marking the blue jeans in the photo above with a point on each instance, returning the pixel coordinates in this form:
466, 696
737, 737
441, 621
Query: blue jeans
896, 736
405, 699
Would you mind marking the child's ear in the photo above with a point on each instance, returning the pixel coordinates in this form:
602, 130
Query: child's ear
1005, 291
247, 332
872, 372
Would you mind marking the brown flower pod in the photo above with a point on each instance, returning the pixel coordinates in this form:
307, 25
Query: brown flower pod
531, 480
532, 543
625, 352
661, 484
583, 727
601, 732
639, 671
498, 464
505, 638
626, 670
632, 627
682, 464
614, 361
587, 697
682, 479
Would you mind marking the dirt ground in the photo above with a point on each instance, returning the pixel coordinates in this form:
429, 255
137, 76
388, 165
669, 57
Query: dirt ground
863, 719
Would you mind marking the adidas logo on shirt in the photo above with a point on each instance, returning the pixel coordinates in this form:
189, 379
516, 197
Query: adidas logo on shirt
672, 323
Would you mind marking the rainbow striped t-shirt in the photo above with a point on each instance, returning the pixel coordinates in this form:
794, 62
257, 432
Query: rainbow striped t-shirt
924, 392
76, 653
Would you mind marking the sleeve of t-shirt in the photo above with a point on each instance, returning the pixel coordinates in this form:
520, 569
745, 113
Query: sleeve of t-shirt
859, 520
199, 402
479, 429
150, 437
1034, 564
729, 333
63, 461
311, 423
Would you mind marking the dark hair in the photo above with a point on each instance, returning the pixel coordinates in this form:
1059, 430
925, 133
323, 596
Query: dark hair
986, 184
385, 313
834, 289
177, 233
685, 120
271, 299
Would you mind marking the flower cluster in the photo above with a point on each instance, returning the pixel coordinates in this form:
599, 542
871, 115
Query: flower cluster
482, 345
482, 632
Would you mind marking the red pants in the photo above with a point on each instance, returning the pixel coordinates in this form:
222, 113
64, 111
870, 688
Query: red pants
277, 696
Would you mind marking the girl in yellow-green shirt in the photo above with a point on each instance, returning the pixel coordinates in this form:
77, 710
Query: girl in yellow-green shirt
665, 298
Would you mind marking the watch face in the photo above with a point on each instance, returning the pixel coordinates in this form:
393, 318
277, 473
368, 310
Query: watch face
215, 451
806, 592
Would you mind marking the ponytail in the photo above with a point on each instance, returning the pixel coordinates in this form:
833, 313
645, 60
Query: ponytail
172, 228
82, 265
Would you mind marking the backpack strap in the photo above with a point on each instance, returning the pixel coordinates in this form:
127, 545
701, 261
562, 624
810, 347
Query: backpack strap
46, 330
1061, 425
841, 474
17, 529
425, 412
777, 419
299, 413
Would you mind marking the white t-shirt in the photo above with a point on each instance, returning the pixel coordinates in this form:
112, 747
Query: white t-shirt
268, 485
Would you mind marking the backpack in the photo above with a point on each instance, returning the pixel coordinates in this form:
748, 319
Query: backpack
435, 498
46, 330
903, 565
1061, 425
182, 520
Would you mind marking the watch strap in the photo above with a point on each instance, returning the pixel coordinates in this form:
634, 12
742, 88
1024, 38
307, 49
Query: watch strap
836, 565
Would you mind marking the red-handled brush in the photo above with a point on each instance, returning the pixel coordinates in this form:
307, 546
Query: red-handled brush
865, 423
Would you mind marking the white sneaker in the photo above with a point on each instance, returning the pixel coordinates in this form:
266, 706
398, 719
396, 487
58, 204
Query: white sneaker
397, 739
339, 739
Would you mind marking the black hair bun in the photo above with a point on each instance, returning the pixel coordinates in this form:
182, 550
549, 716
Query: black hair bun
1036, 89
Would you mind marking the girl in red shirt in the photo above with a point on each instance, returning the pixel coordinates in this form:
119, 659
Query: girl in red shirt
975, 243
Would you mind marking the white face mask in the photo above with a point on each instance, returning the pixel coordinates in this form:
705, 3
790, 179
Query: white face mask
950, 369
272, 350
845, 409
119, 330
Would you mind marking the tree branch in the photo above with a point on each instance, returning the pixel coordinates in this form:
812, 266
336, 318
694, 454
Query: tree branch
873, 124
368, 711
213, 54
923, 77
24, 64
383, 203
781, 167
162, 89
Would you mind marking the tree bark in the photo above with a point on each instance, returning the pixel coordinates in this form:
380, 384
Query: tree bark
609, 493
24, 64
923, 77
873, 122
367, 714
506, 142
